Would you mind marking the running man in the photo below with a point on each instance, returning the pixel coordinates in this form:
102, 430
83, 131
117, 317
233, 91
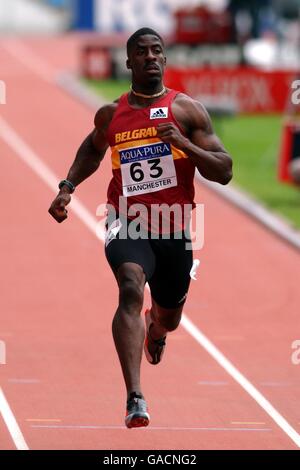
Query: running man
158, 137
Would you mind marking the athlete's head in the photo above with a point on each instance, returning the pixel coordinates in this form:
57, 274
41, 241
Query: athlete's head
145, 52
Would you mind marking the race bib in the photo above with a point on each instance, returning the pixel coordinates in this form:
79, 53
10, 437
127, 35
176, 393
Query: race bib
147, 168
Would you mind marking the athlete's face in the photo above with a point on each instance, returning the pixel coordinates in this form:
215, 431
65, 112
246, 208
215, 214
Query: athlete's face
146, 60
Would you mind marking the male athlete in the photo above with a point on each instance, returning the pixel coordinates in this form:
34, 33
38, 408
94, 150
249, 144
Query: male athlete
157, 138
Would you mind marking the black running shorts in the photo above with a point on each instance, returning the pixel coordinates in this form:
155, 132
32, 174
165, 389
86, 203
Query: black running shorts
166, 262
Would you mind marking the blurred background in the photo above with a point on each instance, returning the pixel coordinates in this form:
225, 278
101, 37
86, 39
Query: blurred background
238, 57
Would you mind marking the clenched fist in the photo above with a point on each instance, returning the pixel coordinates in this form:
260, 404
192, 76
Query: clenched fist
58, 207
170, 133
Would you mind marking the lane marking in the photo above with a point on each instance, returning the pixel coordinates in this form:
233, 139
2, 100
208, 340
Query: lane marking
240, 379
26, 154
247, 422
31, 159
11, 423
42, 420
23, 381
151, 428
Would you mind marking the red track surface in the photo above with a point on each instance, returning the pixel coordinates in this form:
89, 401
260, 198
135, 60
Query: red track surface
62, 378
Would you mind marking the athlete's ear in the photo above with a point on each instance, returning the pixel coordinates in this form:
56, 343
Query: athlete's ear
165, 60
128, 65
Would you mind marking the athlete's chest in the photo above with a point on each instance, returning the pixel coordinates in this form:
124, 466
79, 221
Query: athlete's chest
130, 123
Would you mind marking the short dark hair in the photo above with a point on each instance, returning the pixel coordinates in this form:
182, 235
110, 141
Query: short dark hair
141, 32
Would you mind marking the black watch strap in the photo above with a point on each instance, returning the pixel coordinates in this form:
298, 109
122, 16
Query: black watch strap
67, 183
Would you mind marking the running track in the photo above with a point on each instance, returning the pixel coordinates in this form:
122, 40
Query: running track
62, 381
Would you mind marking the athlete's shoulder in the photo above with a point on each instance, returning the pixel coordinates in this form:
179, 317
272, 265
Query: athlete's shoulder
189, 109
186, 101
105, 114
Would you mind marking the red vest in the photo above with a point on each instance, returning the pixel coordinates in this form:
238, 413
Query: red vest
146, 170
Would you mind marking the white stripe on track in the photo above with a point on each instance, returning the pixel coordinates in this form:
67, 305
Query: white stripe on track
11, 423
240, 379
43, 171
147, 429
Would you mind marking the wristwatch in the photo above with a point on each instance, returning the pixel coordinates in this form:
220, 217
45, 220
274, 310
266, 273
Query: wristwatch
67, 183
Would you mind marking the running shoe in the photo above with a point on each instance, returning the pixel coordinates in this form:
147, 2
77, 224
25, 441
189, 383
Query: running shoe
137, 415
153, 348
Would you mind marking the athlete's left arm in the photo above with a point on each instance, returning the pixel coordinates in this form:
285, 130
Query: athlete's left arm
202, 145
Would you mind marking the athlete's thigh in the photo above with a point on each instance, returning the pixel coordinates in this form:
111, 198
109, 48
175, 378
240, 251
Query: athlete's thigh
170, 282
120, 249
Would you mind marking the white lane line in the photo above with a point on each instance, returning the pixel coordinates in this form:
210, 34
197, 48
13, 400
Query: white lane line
48, 420
41, 169
47, 176
23, 381
11, 423
151, 428
240, 379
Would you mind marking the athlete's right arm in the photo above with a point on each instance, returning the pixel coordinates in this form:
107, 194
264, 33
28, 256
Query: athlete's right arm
87, 161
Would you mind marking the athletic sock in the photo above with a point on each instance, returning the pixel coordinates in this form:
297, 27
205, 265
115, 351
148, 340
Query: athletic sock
135, 395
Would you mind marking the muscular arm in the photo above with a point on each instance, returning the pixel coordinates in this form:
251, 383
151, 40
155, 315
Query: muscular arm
92, 149
202, 146
87, 161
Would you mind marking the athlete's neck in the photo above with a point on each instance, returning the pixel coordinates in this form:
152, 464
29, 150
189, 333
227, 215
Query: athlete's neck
143, 96
149, 89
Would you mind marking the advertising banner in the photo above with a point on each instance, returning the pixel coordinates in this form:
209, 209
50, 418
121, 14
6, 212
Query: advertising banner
249, 90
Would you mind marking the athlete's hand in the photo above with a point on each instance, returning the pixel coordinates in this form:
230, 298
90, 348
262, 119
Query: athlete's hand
170, 133
58, 207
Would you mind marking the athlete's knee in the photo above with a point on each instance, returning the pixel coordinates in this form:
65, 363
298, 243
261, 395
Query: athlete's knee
170, 324
131, 282
169, 319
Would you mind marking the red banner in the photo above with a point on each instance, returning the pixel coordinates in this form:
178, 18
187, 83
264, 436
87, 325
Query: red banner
246, 89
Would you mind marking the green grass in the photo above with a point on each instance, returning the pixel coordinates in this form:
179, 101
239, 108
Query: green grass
109, 89
254, 143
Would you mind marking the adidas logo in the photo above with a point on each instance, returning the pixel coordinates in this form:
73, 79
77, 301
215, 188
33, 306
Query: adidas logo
158, 113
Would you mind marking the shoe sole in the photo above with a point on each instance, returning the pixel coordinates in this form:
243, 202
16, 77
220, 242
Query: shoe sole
137, 421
